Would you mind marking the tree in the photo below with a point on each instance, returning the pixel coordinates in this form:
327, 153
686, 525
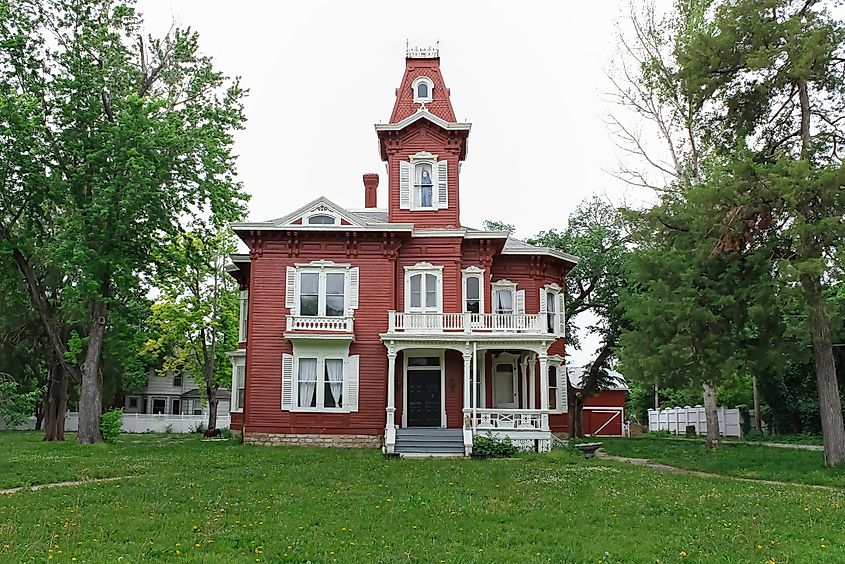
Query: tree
493, 225
596, 234
16, 406
195, 320
119, 141
768, 77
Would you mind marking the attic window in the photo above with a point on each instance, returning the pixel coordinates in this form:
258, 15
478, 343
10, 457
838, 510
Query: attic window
423, 89
322, 219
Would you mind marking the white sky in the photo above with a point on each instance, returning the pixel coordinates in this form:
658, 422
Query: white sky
529, 76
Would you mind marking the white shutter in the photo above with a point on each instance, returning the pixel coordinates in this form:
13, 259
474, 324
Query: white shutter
287, 381
350, 396
404, 185
353, 287
442, 185
561, 306
520, 301
543, 308
290, 288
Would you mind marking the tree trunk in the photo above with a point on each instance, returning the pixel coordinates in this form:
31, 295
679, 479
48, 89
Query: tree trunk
56, 408
576, 417
830, 404
91, 393
758, 425
40, 410
711, 415
656, 398
212, 410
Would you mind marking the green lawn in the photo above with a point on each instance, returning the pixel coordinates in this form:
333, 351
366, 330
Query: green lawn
207, 502
744, 461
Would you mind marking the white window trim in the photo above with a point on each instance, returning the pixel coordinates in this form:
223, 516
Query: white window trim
320, 390
322, 267
242, 315
415, 353
322, 350
503, 285
430, 83
424, 268
508, 359
424, 157
234, 405
152, 404
555, 290
473, 272
562, 395
328, 213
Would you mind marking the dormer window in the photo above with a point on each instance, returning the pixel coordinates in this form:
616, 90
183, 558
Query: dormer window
423, 89
322, 219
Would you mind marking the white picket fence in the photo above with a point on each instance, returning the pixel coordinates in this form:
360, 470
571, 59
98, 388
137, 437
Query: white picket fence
676, 419
143, 423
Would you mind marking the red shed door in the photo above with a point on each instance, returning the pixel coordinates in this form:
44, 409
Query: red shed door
603, 421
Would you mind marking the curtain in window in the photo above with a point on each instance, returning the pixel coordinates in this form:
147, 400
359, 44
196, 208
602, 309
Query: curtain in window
334, 375
307, 381
504, 301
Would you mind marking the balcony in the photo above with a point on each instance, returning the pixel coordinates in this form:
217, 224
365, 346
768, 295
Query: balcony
319, 323
511, 323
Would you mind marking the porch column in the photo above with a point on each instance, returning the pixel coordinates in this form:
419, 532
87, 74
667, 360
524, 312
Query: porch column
544, 387
532, 385
390, 426
467, 385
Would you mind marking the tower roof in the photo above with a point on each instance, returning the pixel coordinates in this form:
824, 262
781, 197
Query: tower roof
422, 64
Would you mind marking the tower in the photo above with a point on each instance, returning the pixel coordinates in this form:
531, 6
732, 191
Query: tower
423, 145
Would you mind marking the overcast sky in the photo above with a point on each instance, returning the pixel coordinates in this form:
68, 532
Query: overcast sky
529, 76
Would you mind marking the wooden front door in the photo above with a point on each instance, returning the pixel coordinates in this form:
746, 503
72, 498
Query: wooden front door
504, 385
424, 398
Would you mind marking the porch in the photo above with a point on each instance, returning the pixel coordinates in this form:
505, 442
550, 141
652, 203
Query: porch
478, 386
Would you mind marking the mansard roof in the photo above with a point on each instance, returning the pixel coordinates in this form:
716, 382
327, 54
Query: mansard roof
422, 68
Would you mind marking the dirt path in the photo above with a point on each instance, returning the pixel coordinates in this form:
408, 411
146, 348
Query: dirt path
64, 484
816, 448
675, 470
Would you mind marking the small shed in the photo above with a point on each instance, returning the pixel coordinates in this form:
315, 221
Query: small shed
604, 413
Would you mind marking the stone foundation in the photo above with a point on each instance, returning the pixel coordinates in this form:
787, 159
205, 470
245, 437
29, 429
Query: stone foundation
287, 439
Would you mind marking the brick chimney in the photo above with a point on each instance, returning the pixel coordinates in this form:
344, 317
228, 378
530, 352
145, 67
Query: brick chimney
370, 187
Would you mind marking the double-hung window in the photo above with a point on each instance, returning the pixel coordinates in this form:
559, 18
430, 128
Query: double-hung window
242, 319
320, 378
558, 398
473, 279
320, 383
552, 305
322, 293
423, 182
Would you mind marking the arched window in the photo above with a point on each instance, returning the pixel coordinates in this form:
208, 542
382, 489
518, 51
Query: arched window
423, 89
321, 219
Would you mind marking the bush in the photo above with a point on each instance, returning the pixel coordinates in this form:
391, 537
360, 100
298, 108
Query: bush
200, 428
111, 424
493, 448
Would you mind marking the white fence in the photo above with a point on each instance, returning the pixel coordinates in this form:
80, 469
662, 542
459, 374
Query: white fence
144, 423
676, 419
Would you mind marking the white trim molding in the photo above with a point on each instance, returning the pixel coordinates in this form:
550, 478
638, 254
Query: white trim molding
417, 353
415, 86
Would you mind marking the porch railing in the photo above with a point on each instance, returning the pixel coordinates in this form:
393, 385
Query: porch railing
319, 323
526, 419
467, 322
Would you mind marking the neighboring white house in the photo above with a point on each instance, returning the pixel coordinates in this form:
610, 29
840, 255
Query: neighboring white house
173, 394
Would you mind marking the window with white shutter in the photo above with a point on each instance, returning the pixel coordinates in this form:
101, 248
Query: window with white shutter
520, 301
290, 288
353, 277
351, 382
405, 185
442, 185
287, 381
561, 308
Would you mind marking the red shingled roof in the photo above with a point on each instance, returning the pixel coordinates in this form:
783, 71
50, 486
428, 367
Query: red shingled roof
440, 104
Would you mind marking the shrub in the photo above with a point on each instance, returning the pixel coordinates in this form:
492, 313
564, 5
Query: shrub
225, 433
168, 429
492, 447
111, 424
200, 428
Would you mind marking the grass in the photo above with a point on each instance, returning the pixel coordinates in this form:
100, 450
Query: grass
744, 461
221, 502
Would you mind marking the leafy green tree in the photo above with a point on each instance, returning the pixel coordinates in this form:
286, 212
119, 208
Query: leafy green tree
493, 225
195, 320
16, 406
119, 140
596, 233
768, 77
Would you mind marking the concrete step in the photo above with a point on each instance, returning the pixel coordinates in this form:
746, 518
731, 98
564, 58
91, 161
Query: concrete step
459, 449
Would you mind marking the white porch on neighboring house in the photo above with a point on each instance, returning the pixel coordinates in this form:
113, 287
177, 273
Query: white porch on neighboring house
504, 379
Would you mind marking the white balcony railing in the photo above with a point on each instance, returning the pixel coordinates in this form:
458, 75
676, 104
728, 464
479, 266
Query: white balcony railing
319, 323
467, 322
524, 419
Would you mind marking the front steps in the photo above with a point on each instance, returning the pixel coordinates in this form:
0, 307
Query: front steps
418, 442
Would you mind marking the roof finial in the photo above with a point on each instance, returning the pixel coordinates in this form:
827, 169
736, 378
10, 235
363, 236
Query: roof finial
422, 52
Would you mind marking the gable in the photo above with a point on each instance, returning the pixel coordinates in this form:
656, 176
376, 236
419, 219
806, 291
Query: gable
322, 213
